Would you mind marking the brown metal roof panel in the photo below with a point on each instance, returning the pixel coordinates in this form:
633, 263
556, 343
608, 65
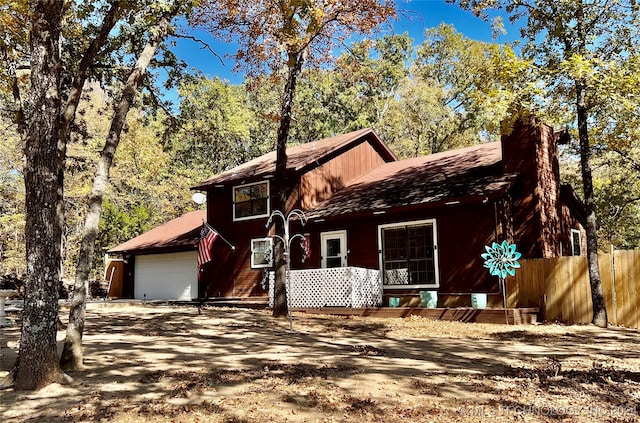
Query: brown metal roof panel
473, 171
299, 157
389, 196
183, 232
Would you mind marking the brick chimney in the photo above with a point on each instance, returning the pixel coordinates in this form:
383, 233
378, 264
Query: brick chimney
531, 151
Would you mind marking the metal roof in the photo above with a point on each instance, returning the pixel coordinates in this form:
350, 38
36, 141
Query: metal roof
179, 234
299, 157
457, 175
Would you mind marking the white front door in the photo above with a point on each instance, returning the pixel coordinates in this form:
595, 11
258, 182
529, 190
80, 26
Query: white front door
334, 249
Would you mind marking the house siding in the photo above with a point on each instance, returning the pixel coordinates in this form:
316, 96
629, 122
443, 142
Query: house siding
322, 182
229, 273
462, 232
569, 222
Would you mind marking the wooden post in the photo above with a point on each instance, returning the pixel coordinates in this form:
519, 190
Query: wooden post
613, 287
542, 306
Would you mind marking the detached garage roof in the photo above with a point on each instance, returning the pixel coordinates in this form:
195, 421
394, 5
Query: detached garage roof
180, 234
472, 173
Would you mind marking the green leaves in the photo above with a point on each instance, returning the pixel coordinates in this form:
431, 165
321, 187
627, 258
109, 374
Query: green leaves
218, 126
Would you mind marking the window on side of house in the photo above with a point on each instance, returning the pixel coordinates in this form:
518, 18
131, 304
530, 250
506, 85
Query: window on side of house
261, 253
408, 254
576, 243
251, 201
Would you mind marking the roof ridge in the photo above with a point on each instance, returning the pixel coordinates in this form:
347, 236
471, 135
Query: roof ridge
298, 156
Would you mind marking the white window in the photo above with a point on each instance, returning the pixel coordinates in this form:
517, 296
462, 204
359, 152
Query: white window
408, 254
261, 253
251, 201
576, 243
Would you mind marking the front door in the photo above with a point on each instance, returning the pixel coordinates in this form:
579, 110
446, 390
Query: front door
334, 249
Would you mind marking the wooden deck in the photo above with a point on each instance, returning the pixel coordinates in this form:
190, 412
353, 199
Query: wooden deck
512, 316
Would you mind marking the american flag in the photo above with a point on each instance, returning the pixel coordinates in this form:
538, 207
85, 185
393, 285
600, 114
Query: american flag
207, 238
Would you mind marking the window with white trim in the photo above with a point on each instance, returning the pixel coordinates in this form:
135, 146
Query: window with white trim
408, 254
576, 243
251, 201
261, 253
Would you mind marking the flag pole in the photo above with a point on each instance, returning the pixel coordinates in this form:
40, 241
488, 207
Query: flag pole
233, 247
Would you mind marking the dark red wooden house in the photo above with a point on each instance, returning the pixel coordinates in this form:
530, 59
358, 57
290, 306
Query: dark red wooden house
421, 222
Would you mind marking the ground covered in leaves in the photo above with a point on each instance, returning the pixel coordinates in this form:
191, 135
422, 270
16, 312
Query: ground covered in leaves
176, 364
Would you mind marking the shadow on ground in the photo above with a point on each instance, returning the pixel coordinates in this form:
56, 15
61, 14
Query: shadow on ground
240, 365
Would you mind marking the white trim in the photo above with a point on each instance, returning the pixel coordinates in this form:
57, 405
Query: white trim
342, 236
435, 253
233, 201
576, 231
270, 261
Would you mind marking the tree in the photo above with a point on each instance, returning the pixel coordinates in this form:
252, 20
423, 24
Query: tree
37, 363
573, 43
617, 191
72, 357
470, 84
12, 192
357, 92
448, 92
217, 127
279, 37
58, 73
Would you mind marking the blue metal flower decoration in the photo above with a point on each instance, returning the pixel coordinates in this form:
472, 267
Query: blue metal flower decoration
501, 259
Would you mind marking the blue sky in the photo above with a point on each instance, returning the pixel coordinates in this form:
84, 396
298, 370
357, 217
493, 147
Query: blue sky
423, 14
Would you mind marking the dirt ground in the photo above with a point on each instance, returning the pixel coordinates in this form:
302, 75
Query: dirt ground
173, 364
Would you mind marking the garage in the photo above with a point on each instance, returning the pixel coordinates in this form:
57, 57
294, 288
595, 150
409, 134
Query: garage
163, 261
171, 276
166, 276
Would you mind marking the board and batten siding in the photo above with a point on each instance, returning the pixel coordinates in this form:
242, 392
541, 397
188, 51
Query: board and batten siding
322, 182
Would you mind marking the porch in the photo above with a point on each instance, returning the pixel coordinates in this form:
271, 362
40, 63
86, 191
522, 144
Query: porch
356, 291
354, 287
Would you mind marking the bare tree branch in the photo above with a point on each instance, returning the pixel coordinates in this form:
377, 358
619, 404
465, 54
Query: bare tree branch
204, 44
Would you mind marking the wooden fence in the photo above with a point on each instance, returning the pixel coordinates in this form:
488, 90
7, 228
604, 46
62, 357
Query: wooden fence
560, 287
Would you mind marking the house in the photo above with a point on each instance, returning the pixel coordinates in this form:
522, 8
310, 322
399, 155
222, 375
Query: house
422, 222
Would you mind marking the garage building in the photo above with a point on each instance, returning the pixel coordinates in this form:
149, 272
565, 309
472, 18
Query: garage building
161, 264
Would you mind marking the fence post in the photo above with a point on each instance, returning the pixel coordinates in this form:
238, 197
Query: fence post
542, 308
613, 287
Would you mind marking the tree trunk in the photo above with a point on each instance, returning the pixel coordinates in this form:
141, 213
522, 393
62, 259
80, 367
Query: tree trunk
280, 305
72, 357
37, 363
591, 227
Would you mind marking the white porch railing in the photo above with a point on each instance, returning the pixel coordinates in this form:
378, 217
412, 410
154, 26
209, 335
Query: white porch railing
355, 287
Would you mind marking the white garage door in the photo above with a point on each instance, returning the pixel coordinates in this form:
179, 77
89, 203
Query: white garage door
166, 276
